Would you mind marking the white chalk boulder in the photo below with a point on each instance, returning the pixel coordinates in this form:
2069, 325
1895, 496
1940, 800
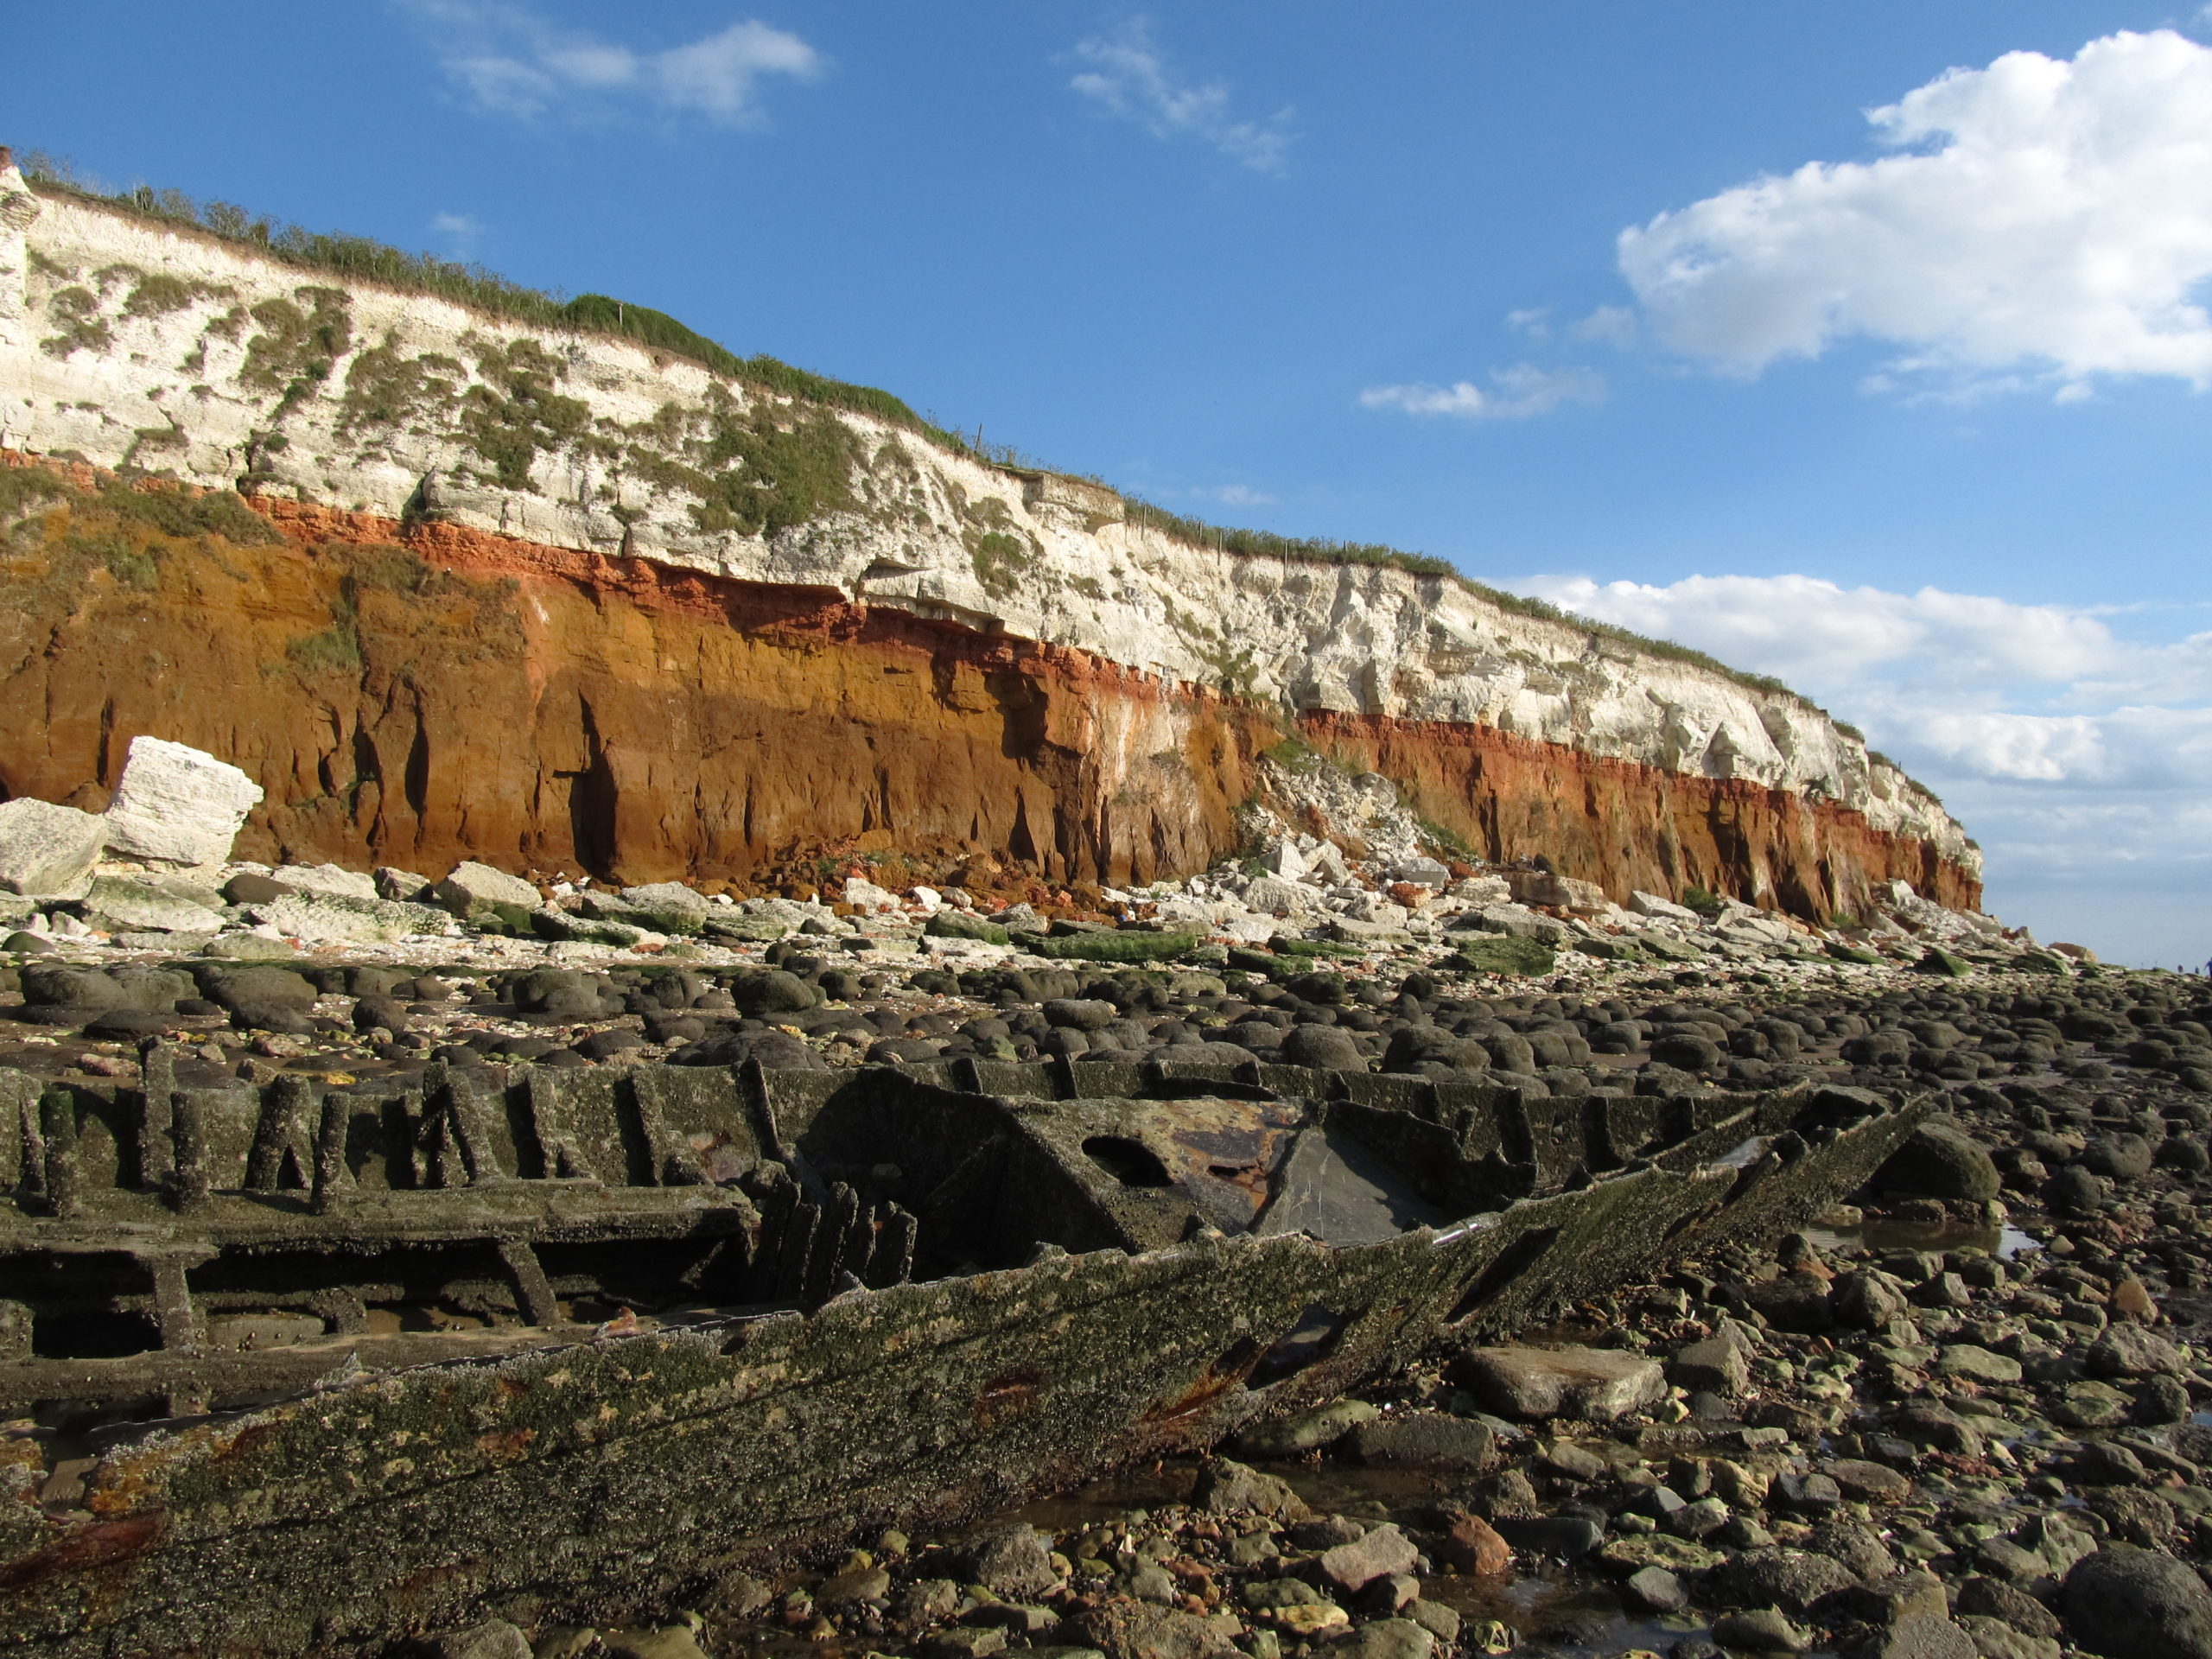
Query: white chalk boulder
177, 804
48, 849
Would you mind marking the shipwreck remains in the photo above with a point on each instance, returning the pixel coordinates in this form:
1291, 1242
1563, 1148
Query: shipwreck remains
299, 1366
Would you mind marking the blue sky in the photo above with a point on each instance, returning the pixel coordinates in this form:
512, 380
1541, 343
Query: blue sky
1922, 428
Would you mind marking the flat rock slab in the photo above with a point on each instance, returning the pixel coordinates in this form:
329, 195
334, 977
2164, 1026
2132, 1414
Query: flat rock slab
1595, 1384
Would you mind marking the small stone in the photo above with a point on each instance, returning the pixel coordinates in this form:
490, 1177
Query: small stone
2128, 1351
668, 1642
1013, 1561
1566, 1538
1226, 1488
494, 1639
1383, 1551
1424, 1439
1472, 1546
1715, 1363
1124, 1629
1150, 1581
1764, 1629
1997, 1600
1865, 1301
339, 919
1870, 1483
1439, 1620
1575, 1462
470, 887
1385, 1638
1976, 1364
1993, 1638
1305, 1431
1654, 1590
1927, 1635
856, 1584
2130, 1300
1790, 1578
1595, 1384
2091, 1405
965, 1642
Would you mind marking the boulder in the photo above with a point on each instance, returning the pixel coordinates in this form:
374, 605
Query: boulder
674, 895
404, 885
1272, 896
48, 849
177, 804
1520, 958
1941, 1160
471, 886
2134, 1603
1597, 1384
152, 904
1514, 922
326, 878
336, 918
1663, 910
1325, 1047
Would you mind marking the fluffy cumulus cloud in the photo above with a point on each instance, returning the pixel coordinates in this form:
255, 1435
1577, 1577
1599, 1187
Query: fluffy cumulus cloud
2037, 221
1127, 74
509, 61
1514, 394
2078, 752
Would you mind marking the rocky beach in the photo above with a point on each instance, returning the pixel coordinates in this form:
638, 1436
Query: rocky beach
1956, 1416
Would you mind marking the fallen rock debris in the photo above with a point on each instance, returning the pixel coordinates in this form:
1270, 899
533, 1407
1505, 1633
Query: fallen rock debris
1959, 1418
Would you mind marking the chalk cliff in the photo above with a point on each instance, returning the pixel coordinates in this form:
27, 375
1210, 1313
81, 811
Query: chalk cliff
550, 597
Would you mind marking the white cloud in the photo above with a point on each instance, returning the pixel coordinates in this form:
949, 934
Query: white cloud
1536, 322
2042, 221
2077, 755
1129, 75
1238, 495
1609, 325
1520, 391
512, 62
461, 230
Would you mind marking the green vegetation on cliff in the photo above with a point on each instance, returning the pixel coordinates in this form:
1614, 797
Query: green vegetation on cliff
794, 468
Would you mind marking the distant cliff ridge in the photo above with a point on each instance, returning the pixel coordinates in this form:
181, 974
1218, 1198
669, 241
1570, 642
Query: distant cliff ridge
652, 620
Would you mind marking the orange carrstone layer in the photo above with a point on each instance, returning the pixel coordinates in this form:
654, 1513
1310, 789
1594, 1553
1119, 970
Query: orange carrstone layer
416, 694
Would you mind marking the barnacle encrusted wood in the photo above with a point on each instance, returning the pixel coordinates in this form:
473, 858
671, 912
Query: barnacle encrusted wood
1113, 1262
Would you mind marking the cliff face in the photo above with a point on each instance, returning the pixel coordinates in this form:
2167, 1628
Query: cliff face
549, 598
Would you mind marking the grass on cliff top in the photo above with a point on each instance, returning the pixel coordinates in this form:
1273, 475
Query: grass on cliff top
485, 290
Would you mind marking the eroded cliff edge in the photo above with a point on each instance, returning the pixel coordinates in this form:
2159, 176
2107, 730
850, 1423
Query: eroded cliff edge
550, 598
